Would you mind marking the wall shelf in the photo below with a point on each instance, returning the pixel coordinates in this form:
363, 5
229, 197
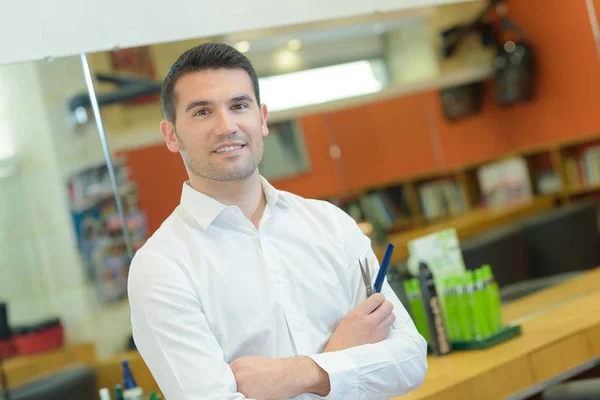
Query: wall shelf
550, 159
579, 190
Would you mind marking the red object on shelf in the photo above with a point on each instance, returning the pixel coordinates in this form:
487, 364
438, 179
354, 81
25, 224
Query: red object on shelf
7, 349
39, 340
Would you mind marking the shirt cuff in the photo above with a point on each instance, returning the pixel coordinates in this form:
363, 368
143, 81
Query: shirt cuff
342, 371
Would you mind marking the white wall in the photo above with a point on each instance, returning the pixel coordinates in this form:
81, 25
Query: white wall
24, 125
411, 54
107, 327
41, 274
67, 27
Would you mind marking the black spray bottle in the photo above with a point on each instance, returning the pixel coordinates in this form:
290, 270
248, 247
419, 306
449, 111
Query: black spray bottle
438, 335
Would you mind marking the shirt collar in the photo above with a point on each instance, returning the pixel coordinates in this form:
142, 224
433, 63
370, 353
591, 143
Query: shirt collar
204, 209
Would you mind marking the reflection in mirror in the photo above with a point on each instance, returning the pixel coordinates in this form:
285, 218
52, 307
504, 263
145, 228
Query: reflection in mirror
53, 191
285, 152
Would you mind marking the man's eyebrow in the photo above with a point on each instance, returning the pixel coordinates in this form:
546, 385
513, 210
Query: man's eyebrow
197, 103
242, 97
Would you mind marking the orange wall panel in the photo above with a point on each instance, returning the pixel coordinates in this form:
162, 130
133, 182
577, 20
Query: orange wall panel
472, 139
159, 175
383, 141
323, 178
568, 96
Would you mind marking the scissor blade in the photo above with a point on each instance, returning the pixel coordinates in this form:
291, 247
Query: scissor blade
366, 278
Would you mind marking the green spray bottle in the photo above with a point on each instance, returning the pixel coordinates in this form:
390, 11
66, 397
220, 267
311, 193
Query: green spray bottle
483, 306
464, 316
476, 309
451, 309
493, 299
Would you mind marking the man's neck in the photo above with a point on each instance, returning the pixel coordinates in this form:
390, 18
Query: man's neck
247, 194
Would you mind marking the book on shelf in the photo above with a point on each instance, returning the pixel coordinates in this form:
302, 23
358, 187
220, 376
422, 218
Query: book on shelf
548, 182
383, 208
584, 169
505, 182
378, 210
441, 198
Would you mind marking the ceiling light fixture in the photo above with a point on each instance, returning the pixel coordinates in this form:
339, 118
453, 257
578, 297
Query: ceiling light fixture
294, 45
242, 47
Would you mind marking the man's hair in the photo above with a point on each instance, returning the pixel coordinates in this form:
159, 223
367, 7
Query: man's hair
203, 57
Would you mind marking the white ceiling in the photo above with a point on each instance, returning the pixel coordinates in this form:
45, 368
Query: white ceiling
38, 29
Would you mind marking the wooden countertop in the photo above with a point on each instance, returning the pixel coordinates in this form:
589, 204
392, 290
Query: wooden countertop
469, 224
23, 369
552, 297
555, 339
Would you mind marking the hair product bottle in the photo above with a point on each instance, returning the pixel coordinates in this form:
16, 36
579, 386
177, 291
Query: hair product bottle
439, 341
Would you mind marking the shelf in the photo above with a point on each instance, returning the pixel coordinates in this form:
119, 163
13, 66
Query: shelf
23, 369
457, 169
583, 189
469, 224
402, 224
101, 196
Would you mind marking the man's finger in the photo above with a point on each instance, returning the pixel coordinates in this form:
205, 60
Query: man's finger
382, 312
371, 304
388, 321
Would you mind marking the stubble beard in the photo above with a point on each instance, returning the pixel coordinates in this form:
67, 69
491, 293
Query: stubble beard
208, 170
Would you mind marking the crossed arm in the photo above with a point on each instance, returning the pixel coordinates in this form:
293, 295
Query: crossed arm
266, 378
374, 353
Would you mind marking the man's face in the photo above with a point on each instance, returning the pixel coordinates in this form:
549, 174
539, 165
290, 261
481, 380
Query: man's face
219, 127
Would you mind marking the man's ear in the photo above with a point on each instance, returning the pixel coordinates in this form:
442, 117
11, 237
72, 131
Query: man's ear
264, 114
167, 128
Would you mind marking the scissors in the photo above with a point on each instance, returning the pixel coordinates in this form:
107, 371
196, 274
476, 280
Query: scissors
366, 274
379, 279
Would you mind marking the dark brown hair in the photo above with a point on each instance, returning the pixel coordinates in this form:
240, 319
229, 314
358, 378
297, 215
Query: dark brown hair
203, 57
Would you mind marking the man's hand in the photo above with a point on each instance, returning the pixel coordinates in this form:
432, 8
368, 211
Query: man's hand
370, 322
265, 378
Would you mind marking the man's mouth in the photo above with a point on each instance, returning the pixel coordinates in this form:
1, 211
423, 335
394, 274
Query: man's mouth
229, 149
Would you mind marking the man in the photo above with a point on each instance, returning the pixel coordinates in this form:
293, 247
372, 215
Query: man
246, 291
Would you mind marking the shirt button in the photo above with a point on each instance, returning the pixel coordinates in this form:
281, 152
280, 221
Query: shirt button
297, 325
280, 279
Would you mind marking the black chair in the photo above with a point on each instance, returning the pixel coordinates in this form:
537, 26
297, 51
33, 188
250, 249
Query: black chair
503, 249
563, 240
75, 383
585, 389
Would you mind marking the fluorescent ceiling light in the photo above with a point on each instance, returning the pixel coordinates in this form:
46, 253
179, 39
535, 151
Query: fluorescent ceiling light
319, 85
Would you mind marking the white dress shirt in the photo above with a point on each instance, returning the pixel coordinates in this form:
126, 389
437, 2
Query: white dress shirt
208, 288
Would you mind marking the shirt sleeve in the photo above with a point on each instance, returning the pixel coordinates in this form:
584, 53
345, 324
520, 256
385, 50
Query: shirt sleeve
389, 368
172, 334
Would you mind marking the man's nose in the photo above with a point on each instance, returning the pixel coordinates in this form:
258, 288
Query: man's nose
225, 125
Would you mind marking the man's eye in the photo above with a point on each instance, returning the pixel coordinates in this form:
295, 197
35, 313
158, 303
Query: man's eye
202, 111
240, 106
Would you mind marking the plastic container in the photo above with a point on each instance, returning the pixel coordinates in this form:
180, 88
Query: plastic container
494, 302
131, 391
466, 331
45, 336
439, 343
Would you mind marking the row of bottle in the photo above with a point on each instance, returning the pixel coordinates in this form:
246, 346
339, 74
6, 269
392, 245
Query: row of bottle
129, 390
471, 305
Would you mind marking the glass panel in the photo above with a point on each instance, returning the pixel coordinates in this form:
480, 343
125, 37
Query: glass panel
45, 271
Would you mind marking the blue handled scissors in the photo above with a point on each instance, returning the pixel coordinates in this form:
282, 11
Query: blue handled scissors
366, 275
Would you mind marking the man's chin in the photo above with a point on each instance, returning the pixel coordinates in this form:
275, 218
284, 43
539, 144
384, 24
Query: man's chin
232, 175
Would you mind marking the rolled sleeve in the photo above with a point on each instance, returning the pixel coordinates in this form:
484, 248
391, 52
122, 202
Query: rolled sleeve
343, 374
